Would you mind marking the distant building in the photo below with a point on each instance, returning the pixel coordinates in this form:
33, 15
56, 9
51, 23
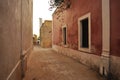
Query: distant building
40, 24
89, 31
46, 34
35, 38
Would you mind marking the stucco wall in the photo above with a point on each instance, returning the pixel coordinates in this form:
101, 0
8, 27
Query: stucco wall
12, 26
27, 24
115, 38
115, 27
70, 17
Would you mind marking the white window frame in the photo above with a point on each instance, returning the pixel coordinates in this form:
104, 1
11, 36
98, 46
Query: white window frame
88, 15
65, 26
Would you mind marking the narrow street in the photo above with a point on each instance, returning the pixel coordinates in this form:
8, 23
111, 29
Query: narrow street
46, 64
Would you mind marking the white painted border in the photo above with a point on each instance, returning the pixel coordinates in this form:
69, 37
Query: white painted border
25, 51
105, 56
13, 70
105, 27
88, 15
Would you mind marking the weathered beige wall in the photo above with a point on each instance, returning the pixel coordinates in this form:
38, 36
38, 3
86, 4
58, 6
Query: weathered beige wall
46, 34
27, 24
13, 24
27, 42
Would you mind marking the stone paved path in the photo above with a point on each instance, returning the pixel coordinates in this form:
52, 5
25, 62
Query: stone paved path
46, 64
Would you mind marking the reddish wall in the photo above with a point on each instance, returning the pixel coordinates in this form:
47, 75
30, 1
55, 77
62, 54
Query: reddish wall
56, 31
70, 18
115, 27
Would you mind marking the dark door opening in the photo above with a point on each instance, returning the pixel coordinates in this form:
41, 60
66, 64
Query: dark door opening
84, 33
64, 35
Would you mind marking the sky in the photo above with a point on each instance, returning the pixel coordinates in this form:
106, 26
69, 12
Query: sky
40, 10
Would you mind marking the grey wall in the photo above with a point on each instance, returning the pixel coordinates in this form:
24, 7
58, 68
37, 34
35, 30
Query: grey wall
15, 29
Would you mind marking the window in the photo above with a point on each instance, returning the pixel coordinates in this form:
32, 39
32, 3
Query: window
64, 34
84, 33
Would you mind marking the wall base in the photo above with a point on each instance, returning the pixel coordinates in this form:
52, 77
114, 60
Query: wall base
115, 67
91, 60
104, 64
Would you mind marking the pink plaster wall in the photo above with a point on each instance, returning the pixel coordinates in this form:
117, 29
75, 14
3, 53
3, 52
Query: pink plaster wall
70, 17
115, 27
115, 38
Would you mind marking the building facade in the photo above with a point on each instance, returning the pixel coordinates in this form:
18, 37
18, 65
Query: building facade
88, 31
46, 34
15, 37
40, 24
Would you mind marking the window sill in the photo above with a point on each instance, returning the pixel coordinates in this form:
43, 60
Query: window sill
85, 50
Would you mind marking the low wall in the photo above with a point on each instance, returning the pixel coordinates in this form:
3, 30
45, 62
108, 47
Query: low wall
91, 60
115, 67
